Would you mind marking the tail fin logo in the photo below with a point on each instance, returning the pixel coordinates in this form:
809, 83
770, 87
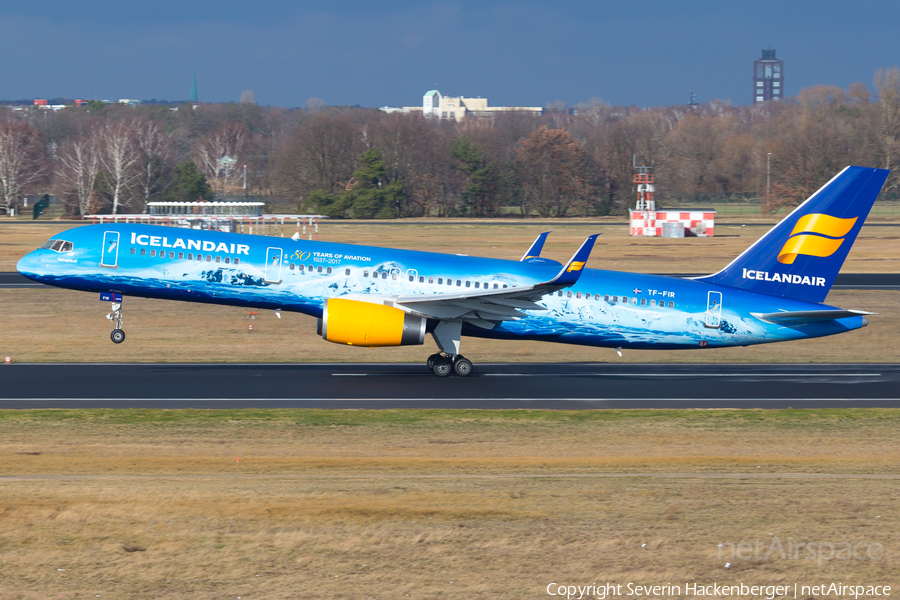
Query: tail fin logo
815, 235
575, 266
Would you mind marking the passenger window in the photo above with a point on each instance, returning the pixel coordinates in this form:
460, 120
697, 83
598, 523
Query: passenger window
209, 258
328, 270
227, 259
218, 259
606, 297
505, 286
421, 279
181, 256
172, 254
459, 283
643, 302
615, 299
365, 273
319, 270
624, 299
291, 266
132, 250
468, 284
431, 280
153, 253
653, 303
237, 261
384, 274
394, 276
310, 268
568, 294
634, 301
440, 281
559, 293
578, 295
199, 257
346, 271
495, 286
671, 305
143, 252
190, 256
476, 285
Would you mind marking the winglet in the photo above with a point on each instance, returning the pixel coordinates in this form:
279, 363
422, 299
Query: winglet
572, 269
536, 247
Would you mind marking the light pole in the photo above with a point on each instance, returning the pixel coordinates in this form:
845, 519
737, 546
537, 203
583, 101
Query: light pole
768, 173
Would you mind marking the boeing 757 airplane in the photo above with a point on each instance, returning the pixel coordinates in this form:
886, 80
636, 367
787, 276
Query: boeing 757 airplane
369, 296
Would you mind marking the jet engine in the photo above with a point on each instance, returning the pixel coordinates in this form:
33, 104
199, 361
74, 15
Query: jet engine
357, 323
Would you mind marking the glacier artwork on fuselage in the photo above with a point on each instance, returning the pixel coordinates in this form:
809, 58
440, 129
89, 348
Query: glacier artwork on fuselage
370, 296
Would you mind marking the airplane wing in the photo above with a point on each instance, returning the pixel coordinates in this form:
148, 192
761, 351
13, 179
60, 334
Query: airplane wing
536, 247
804, 316
486, 307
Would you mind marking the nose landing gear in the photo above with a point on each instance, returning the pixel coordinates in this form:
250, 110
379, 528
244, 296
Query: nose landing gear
117, 335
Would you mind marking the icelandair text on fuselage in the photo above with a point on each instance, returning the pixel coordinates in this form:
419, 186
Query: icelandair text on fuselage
604, 591
201, 245
784, 278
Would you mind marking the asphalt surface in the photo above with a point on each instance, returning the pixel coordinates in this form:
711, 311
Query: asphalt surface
491, 386
848, 281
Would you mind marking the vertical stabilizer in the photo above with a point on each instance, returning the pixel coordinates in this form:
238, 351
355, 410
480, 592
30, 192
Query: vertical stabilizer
801, 256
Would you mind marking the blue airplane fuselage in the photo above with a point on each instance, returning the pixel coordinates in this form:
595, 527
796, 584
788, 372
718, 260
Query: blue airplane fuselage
604, 308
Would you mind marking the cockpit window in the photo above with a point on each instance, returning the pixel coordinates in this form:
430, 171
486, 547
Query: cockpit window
57, 245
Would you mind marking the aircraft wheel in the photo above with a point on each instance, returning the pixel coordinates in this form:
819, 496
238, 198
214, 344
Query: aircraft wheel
462, 366
432, 359
117, 336
442, 367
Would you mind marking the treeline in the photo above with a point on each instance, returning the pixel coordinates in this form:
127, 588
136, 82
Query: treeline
363, 163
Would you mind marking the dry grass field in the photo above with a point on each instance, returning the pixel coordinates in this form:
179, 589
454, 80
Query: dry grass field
434, 504
59, 325
877, 250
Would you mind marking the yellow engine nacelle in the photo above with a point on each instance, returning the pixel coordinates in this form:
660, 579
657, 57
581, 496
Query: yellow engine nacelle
357, 323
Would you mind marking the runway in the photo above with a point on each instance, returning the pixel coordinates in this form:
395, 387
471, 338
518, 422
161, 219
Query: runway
491, 386
846, 281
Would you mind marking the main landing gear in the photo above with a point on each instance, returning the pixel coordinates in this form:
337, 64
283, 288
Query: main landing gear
444, 364
117, 335
446, 335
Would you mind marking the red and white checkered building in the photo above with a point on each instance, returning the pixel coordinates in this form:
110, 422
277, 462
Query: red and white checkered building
699, 223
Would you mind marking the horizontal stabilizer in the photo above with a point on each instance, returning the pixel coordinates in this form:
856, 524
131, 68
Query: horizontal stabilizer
808, 315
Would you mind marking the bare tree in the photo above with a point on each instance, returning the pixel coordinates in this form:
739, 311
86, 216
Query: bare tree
119, 156
888, 84
155, 153
219, 153
22, 161
77, 170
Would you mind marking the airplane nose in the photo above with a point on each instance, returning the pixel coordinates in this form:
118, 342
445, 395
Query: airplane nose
28, 266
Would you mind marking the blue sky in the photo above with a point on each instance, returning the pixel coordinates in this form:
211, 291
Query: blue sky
526, 53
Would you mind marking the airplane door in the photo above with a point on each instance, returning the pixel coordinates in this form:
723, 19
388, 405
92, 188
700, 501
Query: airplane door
273, 265
411, 276
110, 254
713, 310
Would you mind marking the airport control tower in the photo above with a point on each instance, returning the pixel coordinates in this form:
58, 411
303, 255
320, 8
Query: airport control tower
768, 78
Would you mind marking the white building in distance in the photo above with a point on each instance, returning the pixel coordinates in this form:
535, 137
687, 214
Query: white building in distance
456, 108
